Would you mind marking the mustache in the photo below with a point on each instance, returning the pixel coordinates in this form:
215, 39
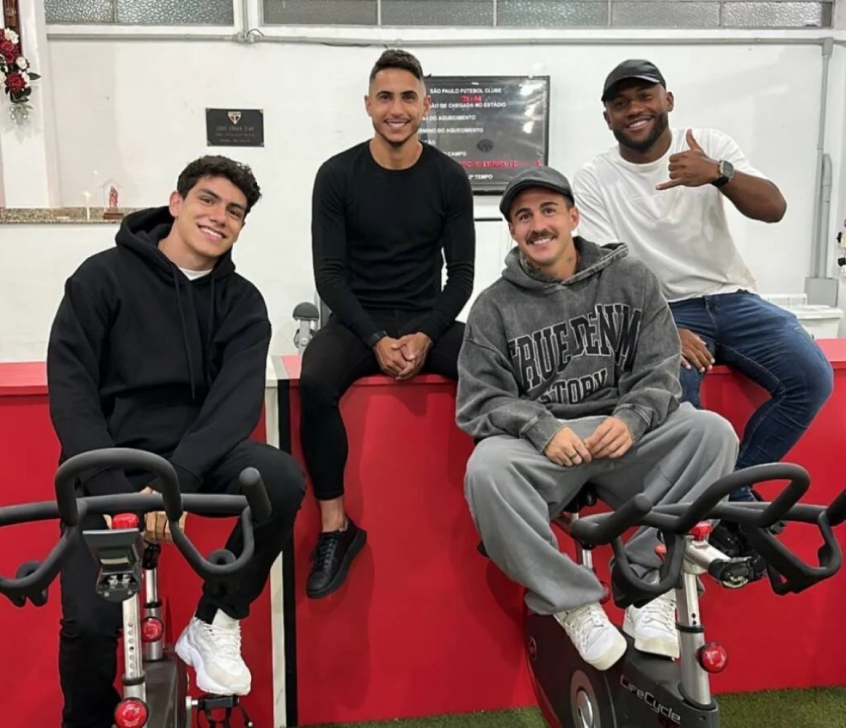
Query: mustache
539, 236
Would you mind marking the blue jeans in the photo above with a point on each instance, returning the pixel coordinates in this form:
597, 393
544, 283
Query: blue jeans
768, 345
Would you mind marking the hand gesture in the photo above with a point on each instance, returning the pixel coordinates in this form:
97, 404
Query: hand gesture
611, 439
565, 448
694, 352
691, 168
389, 357
414, 349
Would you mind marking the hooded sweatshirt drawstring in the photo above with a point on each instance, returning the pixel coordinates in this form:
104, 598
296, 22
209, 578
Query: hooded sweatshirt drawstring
184, 332
212, 313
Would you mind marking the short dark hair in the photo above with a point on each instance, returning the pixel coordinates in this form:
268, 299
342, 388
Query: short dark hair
238, 173
397, 58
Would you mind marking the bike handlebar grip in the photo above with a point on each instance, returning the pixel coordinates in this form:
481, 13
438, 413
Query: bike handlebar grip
836, 512
115, 457
719, 489
255, 492
605, 527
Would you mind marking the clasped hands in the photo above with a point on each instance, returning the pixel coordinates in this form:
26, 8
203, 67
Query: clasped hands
402, 358
156, 525
611, 439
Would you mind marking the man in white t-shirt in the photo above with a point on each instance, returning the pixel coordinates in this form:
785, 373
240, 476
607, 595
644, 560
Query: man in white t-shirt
661, 191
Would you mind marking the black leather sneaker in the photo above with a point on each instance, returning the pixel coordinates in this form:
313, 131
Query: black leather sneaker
332, 557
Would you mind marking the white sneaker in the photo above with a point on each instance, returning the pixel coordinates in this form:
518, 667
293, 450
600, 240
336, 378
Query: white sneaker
597, 640
214, 651
653, 626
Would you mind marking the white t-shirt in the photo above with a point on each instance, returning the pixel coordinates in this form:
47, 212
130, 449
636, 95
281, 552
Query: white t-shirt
193, 275
681, 233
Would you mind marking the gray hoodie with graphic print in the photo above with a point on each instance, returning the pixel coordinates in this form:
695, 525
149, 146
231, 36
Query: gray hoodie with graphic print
538, 350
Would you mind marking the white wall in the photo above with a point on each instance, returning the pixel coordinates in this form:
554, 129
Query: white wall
836, 146
134, 110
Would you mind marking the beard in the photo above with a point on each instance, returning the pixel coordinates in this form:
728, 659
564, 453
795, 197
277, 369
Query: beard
662, 121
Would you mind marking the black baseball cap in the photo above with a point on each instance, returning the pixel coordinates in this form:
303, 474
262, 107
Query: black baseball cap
546, 177
633, 68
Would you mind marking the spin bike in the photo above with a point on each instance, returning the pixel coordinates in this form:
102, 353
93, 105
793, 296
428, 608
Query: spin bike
155, 681
643, 690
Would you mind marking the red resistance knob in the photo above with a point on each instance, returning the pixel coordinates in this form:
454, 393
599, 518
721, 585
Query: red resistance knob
131, 713
713, 657
152, 629
124, 520
701, 531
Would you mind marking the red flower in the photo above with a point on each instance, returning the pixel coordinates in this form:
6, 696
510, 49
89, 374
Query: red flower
15, 83
9, 51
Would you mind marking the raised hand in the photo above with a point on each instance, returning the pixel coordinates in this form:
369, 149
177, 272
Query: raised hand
691, 168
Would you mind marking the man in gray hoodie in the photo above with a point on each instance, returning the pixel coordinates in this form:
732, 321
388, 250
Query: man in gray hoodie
569, 372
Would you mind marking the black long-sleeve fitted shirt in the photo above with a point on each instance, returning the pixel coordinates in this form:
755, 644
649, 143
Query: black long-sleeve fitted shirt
380, 237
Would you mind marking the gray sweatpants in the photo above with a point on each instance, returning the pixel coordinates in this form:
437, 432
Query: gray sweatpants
514, 491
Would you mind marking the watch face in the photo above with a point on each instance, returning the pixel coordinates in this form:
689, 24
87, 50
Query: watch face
726, 169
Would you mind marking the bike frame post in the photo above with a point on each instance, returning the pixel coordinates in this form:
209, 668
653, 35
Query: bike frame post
695, 681
134, 683
153, 651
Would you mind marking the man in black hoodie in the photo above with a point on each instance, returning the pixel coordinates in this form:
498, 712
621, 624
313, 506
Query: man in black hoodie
158, 344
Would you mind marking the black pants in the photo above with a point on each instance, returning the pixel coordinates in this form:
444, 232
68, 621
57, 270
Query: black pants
91, 625
333, 360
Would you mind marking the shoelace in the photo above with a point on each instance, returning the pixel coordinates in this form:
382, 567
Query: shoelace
324, 552
660, 611
587, 623
227, 642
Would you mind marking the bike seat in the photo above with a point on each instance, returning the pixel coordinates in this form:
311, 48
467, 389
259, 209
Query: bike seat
585, 498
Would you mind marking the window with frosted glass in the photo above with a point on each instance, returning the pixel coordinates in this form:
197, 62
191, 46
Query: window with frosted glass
456, 13
140, 12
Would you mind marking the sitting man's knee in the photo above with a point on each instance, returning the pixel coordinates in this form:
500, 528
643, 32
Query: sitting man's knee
283, 480
714, 431
819, 384
312, 386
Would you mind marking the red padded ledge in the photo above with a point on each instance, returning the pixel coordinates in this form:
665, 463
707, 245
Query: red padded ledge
28, 378
23, 378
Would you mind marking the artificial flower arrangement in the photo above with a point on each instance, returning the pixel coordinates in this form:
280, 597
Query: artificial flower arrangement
16, 76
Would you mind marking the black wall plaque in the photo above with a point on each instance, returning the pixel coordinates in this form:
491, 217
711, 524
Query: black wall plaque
235, 127
494, 126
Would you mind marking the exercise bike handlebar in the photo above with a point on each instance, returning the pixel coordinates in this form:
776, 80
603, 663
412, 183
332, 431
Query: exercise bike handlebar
786, 570
33, 578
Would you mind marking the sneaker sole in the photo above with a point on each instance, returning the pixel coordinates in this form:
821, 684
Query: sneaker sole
611, 657
661, 646
337, 581
191, 656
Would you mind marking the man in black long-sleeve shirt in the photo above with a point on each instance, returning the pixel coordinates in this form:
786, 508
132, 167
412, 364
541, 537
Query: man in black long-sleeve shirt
159, 345
386, 213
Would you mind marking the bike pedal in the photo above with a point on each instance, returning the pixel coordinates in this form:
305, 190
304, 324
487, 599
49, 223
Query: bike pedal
733, 574
209, 705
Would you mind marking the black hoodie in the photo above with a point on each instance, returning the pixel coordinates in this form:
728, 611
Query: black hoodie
140, 356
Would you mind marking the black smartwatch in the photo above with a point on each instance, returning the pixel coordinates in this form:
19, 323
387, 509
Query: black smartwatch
376, 338
726, 170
